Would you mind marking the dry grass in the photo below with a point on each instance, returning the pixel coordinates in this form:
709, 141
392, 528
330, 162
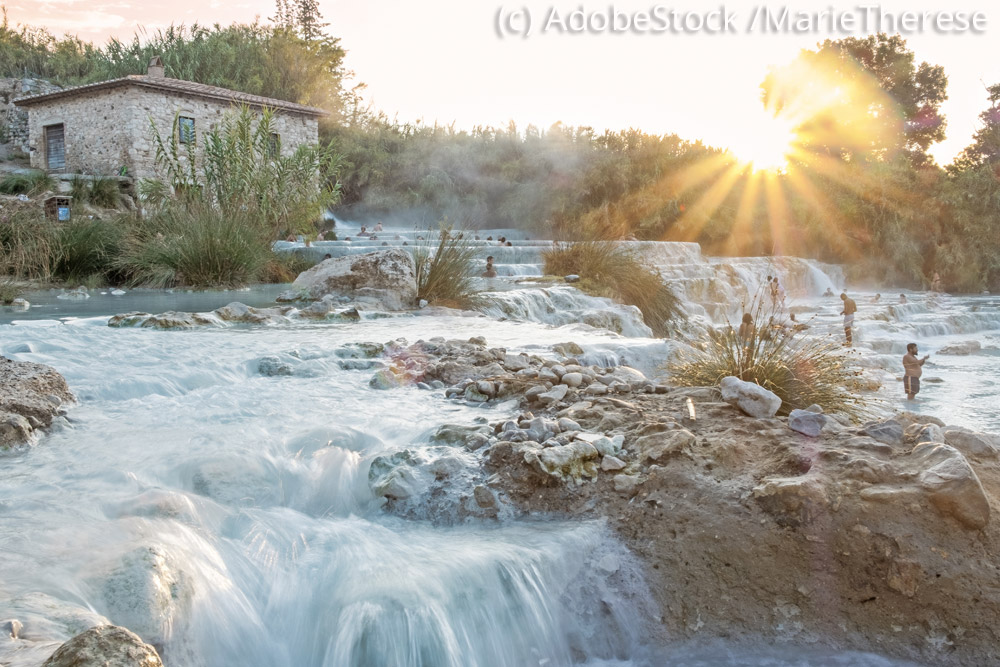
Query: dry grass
802, 370
610, 270
448, 277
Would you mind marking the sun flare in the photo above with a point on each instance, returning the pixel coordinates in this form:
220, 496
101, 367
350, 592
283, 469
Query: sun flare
764, 141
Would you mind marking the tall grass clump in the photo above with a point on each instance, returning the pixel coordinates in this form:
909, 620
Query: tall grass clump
30, 184
28, 246
448, 276
194, 244
801, 370
99, 190
611, 270
86, 249
9, 290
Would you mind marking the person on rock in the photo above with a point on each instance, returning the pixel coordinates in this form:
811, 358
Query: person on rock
913, 368
490, 272
850, 307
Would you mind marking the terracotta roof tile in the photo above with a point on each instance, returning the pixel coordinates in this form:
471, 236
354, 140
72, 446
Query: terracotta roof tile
176, 86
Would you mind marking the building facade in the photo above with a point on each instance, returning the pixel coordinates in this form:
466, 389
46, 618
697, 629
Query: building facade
106, 128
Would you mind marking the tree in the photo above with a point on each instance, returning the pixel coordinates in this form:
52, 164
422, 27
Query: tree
862, 98
985, 147
309, 19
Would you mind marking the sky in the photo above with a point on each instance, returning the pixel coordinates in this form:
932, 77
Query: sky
446, 60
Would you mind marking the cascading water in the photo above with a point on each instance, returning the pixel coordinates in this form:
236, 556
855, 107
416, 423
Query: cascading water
226, 514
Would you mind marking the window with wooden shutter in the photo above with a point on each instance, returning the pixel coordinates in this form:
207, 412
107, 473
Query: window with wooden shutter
55, 147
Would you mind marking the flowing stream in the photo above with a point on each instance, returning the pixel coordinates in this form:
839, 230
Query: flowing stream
225, 515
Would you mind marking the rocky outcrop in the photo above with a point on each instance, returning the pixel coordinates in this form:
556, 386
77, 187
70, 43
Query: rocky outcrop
384, 280
105, 646
31, 396
798, 529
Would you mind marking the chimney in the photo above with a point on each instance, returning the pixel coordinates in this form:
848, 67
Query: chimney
155, 69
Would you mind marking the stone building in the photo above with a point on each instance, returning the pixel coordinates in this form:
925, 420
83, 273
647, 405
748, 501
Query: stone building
102, 127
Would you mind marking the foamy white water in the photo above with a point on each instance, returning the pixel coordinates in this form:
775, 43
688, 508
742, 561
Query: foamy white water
226, 515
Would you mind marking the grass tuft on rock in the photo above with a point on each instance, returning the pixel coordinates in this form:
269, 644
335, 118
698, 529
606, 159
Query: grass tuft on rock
448, 276
802, 370
611, 270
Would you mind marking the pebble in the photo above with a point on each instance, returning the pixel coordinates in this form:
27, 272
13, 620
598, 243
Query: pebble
612, 463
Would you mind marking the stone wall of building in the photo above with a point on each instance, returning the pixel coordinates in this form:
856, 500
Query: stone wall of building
109, 129
13, 119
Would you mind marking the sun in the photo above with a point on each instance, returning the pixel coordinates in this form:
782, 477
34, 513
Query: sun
763, 140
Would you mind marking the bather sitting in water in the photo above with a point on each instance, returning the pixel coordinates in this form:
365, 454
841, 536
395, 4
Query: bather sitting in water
490, 272
829, 292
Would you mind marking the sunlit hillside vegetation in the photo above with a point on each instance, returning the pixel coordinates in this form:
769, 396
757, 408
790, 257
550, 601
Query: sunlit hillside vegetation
858, 185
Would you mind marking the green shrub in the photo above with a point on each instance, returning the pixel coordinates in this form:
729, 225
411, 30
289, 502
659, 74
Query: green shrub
196, 245
98, 190
87, 249
800, 369
31, 184
447, 278
611, 270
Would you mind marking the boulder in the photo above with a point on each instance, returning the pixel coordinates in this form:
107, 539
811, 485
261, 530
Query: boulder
952, 485
964, 348
105, 646
806, 422
386, 276
150, 594
31, 395
751, 398
972, 443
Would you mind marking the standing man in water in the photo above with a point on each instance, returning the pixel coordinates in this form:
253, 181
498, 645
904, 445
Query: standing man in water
849, 309
913, 368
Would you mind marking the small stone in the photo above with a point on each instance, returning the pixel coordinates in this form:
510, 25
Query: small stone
815, 408
484, 497
534, 392
12, 627
567, 424
486, 388
611, 463
596, 390
555, 394
751, 398
478, 340
626, 483
516, 362
559, 370
572, 379
806, 422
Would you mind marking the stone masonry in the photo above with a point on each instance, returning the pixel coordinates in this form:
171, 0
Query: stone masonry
13, 120
108, 127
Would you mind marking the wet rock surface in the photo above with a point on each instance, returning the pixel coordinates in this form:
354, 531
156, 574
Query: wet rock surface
31, 396
386, 279
105, 646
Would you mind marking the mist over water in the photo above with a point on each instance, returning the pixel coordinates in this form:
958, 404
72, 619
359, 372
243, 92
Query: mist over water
226, 515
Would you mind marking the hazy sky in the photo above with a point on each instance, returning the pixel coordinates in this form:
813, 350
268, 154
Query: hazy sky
443, 59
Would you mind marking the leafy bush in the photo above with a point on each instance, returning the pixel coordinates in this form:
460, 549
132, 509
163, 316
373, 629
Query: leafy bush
448, 277
802, 370
611, 270
242, 175
30, 184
